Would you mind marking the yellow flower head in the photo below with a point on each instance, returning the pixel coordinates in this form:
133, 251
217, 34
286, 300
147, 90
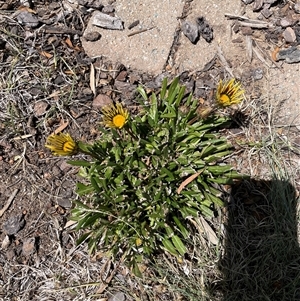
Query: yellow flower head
229, 93
115, 116
62, 144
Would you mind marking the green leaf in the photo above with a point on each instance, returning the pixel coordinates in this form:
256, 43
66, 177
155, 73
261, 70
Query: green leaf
168, 246
83, 237
183, 230
80, 205
83, 189
189, 212
142, 92
108, 172
180, 96
165, 172
180, 247
214, 199
217, 156
173, 89
235, 175
218, 169
153, 112
206, 211
95, 184
135, 269
224, 181
170, 114
163, 88
169, 230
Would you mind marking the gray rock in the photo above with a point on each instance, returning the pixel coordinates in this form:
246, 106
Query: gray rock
40, 108
290, 55
64, 202
247, 1
28, 19
107, 21
14, 224
101, 101
28, 246
119, 296
91, 3
297, 8
108, 9
257, 74
205, 29
285, 22
266, 13
289, 35
92, 36
191, 31
258, 4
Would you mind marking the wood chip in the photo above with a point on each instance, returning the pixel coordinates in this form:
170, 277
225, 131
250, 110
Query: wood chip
248, 40
9, 201
92, 79
133, 24
107, 21
70, 224
61, 127
259, 55
140, 31
187, 181
211, 235
223, 61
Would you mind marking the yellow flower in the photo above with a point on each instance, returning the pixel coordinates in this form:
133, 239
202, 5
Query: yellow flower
62, 144
229, 93
115, 116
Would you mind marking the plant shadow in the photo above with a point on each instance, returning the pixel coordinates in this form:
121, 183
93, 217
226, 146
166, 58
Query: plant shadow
261, 260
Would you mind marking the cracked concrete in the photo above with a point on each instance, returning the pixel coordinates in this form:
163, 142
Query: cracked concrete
165, 47
146, 51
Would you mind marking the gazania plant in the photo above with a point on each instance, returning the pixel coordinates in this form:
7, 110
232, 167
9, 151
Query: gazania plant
151, 175
229, 93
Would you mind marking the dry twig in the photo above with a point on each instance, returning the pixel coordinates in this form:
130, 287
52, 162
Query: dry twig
9, 201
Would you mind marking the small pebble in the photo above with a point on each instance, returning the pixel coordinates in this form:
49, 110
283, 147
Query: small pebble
258, 4
101, 101
246, 30
297, 8
191, 31
64, 202
14, 224
119, 296
290, 55
122, 76
257, 74
266, 13
205, 29
27, 19
285, 22
289, 35
40, 108
108, 9
28, 246
92, 36
134, 24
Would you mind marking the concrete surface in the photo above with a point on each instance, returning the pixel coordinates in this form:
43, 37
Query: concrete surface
194, 57
147, 51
